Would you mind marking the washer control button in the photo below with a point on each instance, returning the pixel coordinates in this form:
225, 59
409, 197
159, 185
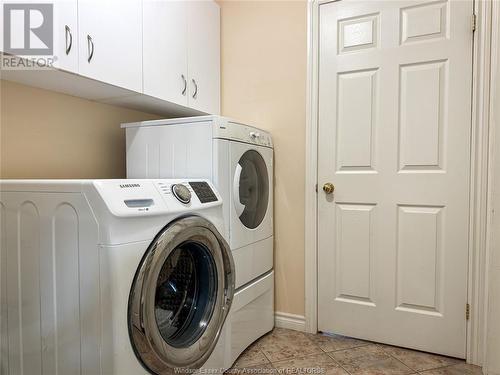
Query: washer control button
182, 193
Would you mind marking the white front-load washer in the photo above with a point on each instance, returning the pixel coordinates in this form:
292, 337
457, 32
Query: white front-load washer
113, 277
238, 158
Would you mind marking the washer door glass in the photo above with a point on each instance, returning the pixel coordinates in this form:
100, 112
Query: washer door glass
185, 294
251, 185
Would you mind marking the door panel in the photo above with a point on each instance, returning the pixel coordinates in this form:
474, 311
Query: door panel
353, 261
394, 139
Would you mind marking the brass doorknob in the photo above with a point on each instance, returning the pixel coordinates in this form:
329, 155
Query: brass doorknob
328, 188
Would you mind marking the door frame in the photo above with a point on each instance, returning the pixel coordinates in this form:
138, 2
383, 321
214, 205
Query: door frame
486, 45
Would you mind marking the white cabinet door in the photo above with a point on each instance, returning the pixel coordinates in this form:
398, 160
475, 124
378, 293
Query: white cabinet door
66, 35
204, 56
165, 50
110, 41
394, 138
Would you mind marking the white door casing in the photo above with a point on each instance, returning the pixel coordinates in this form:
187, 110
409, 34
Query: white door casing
394, 138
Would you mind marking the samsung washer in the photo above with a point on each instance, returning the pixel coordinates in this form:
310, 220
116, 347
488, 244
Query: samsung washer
114, 277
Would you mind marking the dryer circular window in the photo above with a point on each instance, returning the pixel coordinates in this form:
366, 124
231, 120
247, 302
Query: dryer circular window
180, 296
251, 189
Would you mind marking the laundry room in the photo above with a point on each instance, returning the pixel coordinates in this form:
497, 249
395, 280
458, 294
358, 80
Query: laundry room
190, 188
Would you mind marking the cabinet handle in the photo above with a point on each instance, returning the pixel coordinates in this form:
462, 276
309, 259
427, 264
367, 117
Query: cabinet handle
70, 44
185, 84
195, 89
90, 46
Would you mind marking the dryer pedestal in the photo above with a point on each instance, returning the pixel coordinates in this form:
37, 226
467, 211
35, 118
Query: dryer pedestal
252, 313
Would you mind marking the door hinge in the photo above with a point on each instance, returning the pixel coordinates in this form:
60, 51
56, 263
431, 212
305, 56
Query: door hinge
316, 188
474, 22
467, 311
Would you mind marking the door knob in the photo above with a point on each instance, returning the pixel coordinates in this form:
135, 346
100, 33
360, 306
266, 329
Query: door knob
328, 188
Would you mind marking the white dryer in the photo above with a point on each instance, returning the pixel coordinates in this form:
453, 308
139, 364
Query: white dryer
238, 158
113, 277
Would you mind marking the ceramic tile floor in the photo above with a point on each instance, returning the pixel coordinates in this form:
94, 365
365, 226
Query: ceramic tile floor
290, 352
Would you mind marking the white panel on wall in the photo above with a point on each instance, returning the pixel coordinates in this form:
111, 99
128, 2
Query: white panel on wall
419, 265
41, 322
153, 160
66, 253
422, 115
29, 270
356, 121
48, 289
424, 21
358, 33
89, 286
170, 151
354, 253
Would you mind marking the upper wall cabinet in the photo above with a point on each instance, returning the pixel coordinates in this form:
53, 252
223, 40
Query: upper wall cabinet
181, 57
110, 41
159, 56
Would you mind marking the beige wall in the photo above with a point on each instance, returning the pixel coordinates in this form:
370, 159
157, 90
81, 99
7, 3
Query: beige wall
264, 83
44, 134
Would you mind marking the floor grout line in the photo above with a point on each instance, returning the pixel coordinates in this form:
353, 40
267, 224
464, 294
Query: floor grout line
266, 356
400, 361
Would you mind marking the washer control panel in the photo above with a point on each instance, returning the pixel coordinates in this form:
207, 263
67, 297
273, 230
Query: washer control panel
153, 197
203, 191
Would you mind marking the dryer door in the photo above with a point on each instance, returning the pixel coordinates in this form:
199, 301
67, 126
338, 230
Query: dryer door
181, 296
251, 215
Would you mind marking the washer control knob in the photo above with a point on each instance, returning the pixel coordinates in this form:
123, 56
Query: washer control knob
182, 193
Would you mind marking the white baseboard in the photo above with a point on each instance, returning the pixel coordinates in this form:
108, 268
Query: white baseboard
290, 321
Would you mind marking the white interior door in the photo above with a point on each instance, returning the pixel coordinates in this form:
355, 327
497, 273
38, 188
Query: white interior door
394, 139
